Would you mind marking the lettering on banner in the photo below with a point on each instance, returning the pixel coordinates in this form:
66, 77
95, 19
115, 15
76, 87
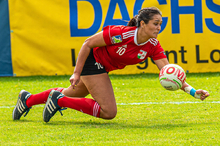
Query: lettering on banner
201, 21
176, 11
183, 53
73, 57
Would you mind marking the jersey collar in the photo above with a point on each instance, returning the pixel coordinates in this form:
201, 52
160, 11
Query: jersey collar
135, 38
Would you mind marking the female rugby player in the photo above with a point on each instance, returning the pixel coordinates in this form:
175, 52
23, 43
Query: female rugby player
111, 49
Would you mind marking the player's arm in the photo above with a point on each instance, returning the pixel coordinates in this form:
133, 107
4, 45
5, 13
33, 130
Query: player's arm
96, 40
199, 94
161, 63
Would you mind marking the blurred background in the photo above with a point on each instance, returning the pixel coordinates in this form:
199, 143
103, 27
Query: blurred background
44, 37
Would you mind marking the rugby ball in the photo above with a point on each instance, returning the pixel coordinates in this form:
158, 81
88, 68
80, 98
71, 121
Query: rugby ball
172, 77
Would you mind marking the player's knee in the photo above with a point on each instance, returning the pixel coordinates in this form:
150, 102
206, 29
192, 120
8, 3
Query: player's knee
109, 114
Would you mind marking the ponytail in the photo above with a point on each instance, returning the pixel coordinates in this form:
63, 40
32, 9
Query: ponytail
133, 21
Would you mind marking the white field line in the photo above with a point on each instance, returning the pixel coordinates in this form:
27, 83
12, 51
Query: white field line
145, 103
180, 102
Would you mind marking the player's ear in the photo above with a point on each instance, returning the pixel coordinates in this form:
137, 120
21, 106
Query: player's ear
142, 24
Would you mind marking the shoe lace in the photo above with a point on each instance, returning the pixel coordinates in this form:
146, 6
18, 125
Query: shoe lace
62, 110
27, 111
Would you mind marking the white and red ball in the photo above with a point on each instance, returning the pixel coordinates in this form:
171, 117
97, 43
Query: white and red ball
172, 77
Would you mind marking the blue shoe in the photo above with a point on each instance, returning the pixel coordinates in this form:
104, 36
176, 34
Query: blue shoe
51, 106
21, 107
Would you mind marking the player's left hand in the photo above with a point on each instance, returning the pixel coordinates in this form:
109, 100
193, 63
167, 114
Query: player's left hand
201, 94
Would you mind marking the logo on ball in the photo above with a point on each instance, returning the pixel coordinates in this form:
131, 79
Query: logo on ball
172, 77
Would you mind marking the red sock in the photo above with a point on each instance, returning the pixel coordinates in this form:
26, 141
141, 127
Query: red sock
85, 105
40, 98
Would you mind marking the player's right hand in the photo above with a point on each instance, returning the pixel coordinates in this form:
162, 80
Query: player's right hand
201, 94
74, 80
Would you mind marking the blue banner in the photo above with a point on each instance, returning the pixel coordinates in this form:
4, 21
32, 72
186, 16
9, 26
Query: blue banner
5, 44
42, 37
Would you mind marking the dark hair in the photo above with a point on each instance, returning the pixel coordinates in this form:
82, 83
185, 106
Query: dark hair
144, 14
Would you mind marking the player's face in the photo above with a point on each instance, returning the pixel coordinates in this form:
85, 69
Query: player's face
153, 27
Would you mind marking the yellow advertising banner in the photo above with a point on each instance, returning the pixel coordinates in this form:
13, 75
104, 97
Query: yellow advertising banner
46, 36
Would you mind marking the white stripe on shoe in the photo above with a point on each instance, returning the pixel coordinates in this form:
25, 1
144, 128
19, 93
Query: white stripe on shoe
50, 107
20, 106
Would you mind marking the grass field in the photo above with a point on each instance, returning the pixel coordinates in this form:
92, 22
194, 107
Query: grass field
147, 114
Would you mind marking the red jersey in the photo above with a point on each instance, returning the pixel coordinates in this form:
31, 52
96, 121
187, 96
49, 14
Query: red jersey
122, 48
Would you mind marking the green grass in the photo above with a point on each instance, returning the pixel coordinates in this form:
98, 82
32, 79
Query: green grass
157, 120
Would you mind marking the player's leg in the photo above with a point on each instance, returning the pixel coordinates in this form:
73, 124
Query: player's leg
99, 86
41, 98
79, 91
26, 100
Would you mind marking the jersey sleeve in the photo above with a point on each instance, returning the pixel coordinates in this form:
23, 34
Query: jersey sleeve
158, 52
112, 34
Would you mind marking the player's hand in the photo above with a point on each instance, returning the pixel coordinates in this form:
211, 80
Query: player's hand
74, 80
201, 94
